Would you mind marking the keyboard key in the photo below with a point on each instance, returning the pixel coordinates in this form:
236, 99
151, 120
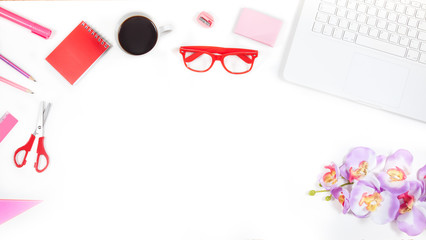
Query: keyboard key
327, 31
372, 21
353, 26
404, 41
416, 4
352, 5
364, 29
322, 17
384, 36
362, 8
374, 33
413, 55
333, 20
372, 11
392, 27
420, 14
338, 33
380, 3
402, 30
382, 14
341, 12
415, 44
402, 19
361, 18
412, 33
422, 36
394, 38
349, 36
343, 23
423, 47
410, 11
422, 26
382, 24
342, 3
392, 16
381, 46
318, 27
423, 58
351, 15
413, 22
327, 8
400, 8
390, 5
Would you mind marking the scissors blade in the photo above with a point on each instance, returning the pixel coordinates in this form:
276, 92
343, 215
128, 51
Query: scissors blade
46, 112
39, 131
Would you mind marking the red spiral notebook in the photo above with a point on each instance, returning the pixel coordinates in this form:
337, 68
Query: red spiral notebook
77, 52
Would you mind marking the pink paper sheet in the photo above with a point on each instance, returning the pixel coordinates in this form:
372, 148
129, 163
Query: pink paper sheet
258, 26
10, 208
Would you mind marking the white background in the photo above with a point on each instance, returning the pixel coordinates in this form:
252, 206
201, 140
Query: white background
143, 148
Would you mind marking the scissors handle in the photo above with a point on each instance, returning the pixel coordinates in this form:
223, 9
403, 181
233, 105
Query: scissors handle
41, 152
26, 149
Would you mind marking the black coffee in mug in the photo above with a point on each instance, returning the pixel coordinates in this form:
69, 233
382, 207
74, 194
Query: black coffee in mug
137, 35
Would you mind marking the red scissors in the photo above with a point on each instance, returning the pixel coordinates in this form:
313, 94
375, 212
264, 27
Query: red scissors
22, 152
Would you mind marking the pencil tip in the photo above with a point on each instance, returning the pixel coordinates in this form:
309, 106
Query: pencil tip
31, 78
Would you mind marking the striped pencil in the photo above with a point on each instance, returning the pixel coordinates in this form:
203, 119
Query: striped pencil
2, 79
16, 68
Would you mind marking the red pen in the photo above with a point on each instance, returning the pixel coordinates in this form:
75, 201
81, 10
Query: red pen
34, 27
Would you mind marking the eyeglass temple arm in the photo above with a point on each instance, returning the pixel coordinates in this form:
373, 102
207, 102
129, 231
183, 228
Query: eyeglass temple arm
195, 55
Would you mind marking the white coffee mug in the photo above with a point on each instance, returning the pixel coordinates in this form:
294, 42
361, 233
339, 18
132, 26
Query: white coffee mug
137, 33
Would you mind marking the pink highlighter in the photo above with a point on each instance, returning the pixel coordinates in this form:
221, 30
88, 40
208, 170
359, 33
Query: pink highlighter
34, 27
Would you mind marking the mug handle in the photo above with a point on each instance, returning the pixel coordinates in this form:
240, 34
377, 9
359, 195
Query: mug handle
165, 29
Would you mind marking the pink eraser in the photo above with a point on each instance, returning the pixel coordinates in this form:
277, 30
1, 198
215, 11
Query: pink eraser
258, 26
7, 122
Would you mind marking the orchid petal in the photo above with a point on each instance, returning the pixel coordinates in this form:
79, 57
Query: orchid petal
359, 162
387, 210
413, 222
342, 195
360, 189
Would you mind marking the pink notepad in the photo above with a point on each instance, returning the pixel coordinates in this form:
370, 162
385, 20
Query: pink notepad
7, 122
258, 26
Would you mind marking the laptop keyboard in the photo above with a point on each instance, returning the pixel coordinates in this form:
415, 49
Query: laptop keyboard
397, 27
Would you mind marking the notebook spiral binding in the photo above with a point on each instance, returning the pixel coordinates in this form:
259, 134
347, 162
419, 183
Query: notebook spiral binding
95, 35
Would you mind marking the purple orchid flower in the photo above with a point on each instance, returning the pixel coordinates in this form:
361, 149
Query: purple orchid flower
411, 217
343, 196
394, 176
360, 163
421, 176
367, 199
330, 177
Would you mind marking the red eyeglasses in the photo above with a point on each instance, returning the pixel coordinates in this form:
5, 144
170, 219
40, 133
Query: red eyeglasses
202, 58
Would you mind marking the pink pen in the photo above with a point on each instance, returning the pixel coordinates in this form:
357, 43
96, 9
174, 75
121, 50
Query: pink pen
34, 27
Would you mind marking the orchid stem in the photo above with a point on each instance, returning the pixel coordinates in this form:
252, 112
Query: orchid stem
313, 192
348, 183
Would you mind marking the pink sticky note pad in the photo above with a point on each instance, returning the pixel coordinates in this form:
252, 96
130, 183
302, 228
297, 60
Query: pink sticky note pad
258, 26
10, 208
7, 122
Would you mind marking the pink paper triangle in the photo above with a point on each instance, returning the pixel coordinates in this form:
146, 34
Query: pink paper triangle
10, 208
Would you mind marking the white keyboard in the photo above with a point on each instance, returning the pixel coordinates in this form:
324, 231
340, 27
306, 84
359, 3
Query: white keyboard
397, 27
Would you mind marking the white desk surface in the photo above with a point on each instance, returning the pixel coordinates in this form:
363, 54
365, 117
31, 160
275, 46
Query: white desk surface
143, 148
